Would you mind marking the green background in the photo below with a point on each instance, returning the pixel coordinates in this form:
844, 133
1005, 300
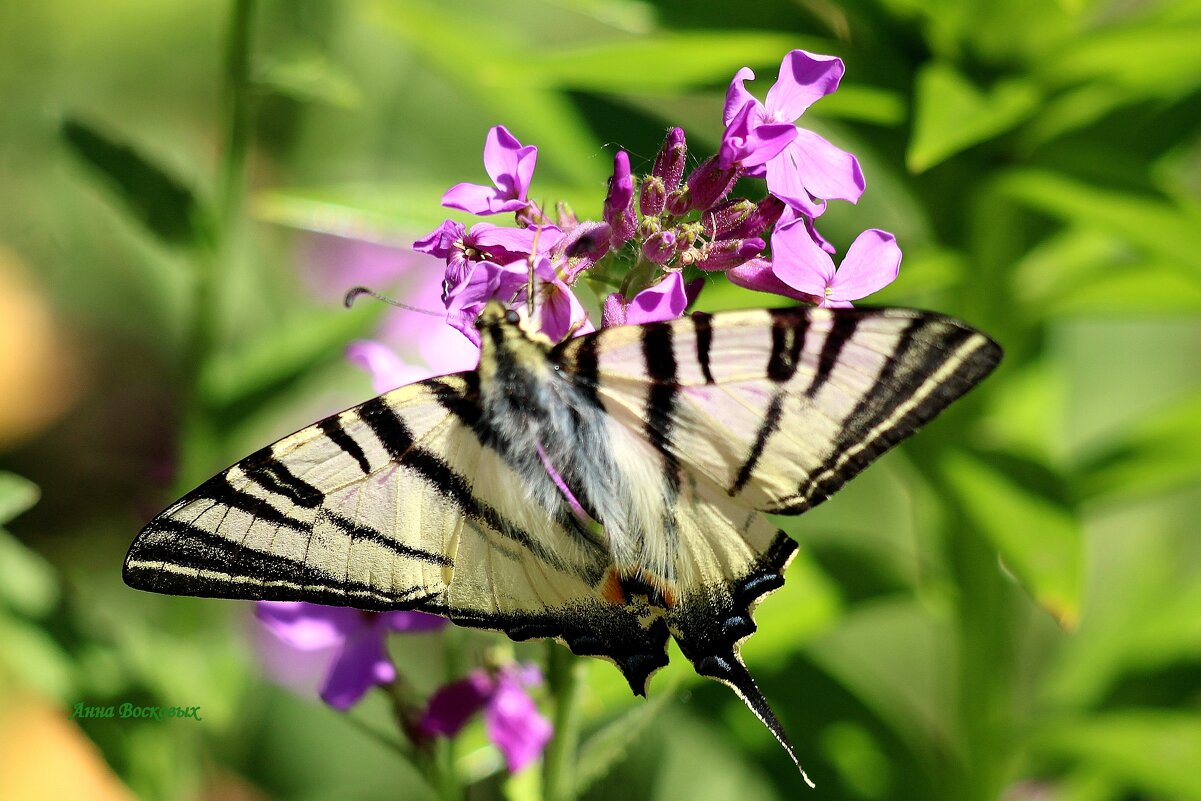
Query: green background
1008, 607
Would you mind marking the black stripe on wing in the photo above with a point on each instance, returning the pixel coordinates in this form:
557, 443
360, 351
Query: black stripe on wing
928, 343
173, 556
397, 440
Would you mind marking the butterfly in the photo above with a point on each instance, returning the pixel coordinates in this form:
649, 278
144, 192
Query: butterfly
608, 491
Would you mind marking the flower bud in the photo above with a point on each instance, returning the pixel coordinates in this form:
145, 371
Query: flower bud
727, 253
619, 204
686, 235
614, 311
724, 218
582, 247
566, 215
659, 248
669, 163
679, 201
649, 227
764, 216
710, 182
652, 197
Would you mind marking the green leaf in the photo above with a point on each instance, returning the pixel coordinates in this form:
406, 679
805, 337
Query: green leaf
951, 114
17, 495
311, 78
1158, 60
28, 584
240, 381
654, 63
1156, 225
1014, 503
148, 193
608, 746
1088, 271
1160, 453
1152, 752
35, 659
911, 691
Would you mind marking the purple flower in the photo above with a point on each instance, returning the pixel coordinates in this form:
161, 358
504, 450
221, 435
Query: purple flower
619, 203
509, 165
352, 640
488, 281
749, 142
559, 312
757, 274
463, 249
809, 170
871, 263
510, 716
665, 300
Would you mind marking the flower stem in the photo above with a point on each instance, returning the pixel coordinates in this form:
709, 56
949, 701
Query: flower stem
564, 673
214, 256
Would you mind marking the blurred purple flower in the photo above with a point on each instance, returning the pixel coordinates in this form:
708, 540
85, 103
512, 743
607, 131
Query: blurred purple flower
872, 263
809, 170
407, 346
511, 718
352, 641
511, 168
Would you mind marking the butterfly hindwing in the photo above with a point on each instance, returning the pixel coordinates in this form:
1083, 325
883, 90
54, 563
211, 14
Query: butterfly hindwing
396, 504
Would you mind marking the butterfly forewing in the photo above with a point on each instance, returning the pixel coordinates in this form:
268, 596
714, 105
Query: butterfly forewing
782, 407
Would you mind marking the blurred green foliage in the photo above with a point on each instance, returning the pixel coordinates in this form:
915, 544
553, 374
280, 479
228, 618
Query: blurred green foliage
1008, 607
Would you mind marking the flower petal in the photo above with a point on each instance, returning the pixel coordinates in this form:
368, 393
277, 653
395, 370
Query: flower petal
514, 724
452, 705
747, 144
798, 261
829, 172
441, 241
508, 163
737, 95
872, 263
757, 274
361, 664
308, 627
515, 244
804, 79
786, 182
388, 371
665, 300
476, 199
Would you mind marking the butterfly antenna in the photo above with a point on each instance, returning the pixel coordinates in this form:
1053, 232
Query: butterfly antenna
354, 294
730, 670
529, 289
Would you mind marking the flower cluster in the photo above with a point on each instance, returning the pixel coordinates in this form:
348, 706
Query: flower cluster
646, 258
349, 646
659, 229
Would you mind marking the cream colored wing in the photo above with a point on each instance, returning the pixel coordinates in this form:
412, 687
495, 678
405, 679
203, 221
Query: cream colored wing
396, 504
780, 407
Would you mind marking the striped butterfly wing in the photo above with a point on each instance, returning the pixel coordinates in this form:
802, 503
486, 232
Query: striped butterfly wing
766, 411
780, 408
396, 504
